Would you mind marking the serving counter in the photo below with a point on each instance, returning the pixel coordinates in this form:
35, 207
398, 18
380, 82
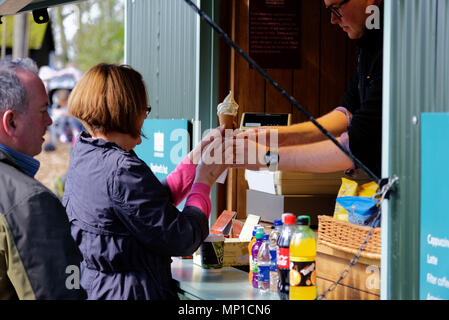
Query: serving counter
196, 283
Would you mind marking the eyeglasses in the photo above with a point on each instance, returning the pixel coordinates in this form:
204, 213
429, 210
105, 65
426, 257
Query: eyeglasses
335, 9
148, 111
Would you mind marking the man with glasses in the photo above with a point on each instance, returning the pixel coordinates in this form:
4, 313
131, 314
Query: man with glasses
357, 123
36, 248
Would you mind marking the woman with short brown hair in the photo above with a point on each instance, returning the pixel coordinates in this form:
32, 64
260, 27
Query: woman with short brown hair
123, 219
119, 96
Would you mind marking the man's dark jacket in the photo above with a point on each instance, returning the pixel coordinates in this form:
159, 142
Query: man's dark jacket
38, 257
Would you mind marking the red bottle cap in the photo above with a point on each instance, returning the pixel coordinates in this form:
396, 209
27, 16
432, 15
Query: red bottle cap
290, 219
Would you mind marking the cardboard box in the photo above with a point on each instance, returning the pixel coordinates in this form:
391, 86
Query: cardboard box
270, 206
235, 249
235, 253
224, 223
298, 183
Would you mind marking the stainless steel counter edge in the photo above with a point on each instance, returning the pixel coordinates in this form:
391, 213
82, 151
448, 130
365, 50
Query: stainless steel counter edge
195, 282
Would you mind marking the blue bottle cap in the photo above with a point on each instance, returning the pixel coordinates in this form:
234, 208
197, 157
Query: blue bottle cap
277, 222
256, 227
266, 237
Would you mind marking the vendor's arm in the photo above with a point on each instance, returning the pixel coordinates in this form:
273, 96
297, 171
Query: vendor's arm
319, 157
336, 122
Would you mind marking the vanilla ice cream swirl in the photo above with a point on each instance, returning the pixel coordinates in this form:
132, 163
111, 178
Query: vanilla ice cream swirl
228, 106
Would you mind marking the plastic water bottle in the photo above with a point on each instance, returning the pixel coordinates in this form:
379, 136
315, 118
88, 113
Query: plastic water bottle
255, 252
263, 264
273, 246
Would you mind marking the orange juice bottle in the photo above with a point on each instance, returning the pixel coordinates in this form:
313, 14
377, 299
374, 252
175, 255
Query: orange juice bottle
303, 261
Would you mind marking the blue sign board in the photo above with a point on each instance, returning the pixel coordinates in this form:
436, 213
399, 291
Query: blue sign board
166, 144
434, 239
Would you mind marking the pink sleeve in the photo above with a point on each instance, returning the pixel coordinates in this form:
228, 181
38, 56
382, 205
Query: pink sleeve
181, 179
199, 197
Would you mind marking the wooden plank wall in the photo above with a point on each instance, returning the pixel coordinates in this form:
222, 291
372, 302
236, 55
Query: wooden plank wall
327, 62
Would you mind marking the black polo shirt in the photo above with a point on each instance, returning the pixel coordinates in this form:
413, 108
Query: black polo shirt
364, 100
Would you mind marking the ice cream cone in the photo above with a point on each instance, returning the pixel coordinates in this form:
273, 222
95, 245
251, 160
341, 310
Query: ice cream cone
227, 120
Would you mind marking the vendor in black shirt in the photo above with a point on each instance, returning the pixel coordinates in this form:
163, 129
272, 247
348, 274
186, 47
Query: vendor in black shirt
357, 123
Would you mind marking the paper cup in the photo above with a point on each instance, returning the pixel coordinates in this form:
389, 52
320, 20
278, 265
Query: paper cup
212, 251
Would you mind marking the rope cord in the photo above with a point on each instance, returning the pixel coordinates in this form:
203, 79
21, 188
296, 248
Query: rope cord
292, 100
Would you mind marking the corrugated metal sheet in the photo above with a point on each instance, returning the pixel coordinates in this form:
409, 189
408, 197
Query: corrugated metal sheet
419, 81
161, 42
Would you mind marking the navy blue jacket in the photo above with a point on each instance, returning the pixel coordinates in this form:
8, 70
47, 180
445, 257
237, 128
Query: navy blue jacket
124, 223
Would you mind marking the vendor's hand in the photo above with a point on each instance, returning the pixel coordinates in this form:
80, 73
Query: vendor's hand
215, 159
249, 154
195, 154
268, 136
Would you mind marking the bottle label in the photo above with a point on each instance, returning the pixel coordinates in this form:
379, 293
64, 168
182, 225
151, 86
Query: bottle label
273, 265
264, 274
283, 259
255, 268
302, 273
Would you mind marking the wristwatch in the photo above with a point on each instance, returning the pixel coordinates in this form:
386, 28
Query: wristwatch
272, 160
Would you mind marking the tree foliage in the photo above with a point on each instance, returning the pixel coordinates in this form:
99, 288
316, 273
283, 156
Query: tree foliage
99, 35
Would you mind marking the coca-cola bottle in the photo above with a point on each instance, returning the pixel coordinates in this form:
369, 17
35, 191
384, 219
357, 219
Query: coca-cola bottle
283, 256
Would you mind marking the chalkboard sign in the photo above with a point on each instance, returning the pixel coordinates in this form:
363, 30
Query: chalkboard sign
274, 33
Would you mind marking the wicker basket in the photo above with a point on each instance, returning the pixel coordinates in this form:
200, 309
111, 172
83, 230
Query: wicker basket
348, 237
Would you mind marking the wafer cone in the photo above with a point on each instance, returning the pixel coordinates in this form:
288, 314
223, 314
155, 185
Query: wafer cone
227, 120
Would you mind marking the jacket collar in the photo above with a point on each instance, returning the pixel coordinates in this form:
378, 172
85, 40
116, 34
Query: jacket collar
6, 158
27, 163
86, 138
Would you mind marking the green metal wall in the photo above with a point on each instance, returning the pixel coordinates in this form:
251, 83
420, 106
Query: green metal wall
178, 56
416, 80
162, 43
